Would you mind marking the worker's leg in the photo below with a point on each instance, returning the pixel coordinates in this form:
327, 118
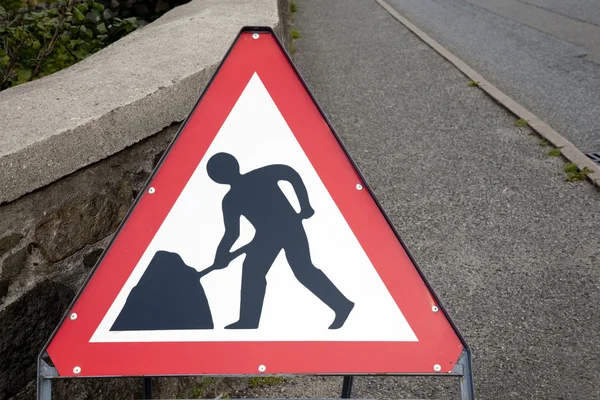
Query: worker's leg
258, 261
297, 253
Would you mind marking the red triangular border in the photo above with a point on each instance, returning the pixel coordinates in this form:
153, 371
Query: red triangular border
439, 342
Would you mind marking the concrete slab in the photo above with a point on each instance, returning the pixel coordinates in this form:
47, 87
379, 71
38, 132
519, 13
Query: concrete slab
126, 92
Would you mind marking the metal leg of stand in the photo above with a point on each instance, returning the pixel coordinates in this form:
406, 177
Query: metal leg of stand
45, 389
347, 387
147, 388
45, 373
467, 388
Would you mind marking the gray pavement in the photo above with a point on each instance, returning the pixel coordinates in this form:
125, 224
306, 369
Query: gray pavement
582, 10
510, 247
543, 53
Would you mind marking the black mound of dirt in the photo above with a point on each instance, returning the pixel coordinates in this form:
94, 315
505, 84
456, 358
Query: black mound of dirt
169, 296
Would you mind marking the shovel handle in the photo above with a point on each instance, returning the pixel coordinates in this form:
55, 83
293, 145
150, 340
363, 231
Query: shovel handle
232, 257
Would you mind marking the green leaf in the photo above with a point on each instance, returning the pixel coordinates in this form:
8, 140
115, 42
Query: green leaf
78, 15
98, 6
85, 32
4, 60
36, 44
23, 75
92, 16
101, 37
2, 10
101, 28
131, 20
82, 7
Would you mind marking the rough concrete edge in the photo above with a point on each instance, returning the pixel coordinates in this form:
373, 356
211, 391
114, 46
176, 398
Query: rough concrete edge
36, 156
568, 149
283, 27
39, 158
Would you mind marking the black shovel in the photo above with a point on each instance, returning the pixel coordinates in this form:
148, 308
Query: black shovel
232, 256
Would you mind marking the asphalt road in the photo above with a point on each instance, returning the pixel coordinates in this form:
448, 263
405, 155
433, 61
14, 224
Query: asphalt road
511, 248
543, 53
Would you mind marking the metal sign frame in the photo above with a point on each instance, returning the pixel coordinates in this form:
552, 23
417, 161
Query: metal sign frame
46, 372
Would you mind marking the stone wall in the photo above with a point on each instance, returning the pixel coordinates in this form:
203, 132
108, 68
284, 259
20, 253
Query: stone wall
53, 231
52, 239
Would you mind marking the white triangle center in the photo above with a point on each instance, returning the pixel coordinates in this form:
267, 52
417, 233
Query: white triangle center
256, 133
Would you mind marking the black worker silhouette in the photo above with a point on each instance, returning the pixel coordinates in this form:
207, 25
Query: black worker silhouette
256, 195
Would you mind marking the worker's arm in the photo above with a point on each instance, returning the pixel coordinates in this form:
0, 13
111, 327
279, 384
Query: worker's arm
231, 217
290, 175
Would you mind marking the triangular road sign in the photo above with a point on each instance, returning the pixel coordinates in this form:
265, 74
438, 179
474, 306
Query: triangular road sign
256, 247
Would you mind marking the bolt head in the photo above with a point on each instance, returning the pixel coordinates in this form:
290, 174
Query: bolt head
255, 36
437, 367
77, 370
262, 368
435, 309
73, 316
151, 190
359, 186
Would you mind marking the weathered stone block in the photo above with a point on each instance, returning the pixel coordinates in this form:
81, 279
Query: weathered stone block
4, 283
9, 241
89, 260
14, 263
25, 325
83, 221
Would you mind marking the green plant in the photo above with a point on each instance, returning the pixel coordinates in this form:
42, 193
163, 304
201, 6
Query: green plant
570, 167
11, 5
261, 381
553, 153
574, 173
543, 143
473, 83
36, 44
295, 34
521, 123
205, 383
293, 6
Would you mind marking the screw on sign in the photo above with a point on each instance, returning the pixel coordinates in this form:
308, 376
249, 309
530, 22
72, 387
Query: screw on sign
325, 284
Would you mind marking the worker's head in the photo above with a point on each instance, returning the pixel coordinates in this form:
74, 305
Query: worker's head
223, 168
